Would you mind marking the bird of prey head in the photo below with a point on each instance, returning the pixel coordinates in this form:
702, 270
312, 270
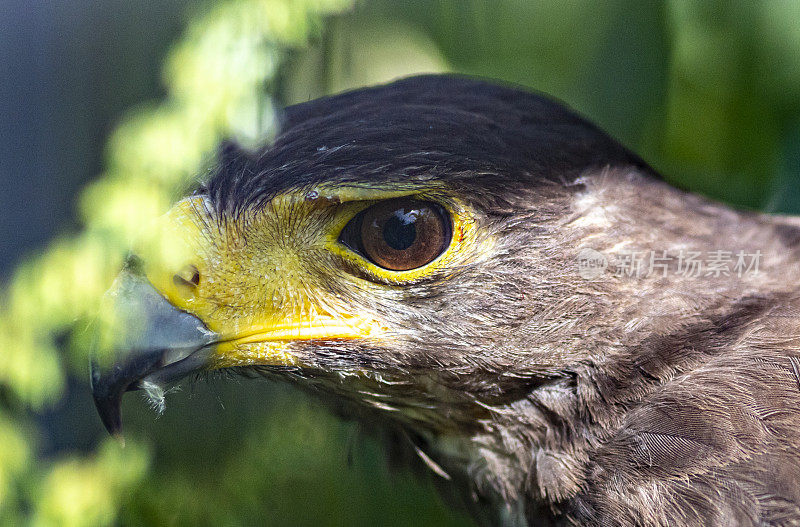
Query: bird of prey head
416, 253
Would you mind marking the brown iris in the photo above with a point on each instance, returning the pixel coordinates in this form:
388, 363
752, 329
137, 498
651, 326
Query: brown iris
399, 234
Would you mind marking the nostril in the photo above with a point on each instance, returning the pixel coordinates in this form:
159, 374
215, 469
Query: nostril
189, 276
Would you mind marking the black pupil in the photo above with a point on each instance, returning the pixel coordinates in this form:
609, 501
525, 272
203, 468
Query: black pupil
400, 231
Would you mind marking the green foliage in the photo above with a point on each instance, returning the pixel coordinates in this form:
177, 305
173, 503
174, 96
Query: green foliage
80, 491
709, 92
216, 77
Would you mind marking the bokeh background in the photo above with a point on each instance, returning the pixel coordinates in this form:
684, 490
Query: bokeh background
110, 109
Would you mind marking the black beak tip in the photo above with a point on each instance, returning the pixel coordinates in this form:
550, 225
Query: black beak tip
108, 401
110, 414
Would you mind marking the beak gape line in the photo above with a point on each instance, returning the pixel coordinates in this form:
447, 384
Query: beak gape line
153, 344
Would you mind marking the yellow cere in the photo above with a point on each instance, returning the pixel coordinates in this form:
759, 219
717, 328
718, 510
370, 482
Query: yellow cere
266, 279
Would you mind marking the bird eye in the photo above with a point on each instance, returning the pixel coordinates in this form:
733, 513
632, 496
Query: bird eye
399, 234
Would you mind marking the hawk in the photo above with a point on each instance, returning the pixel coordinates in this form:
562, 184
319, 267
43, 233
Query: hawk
514, 299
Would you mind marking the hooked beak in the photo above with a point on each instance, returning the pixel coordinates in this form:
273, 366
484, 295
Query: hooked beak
150, 341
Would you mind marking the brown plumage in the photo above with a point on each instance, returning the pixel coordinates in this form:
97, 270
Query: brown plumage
537, 393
